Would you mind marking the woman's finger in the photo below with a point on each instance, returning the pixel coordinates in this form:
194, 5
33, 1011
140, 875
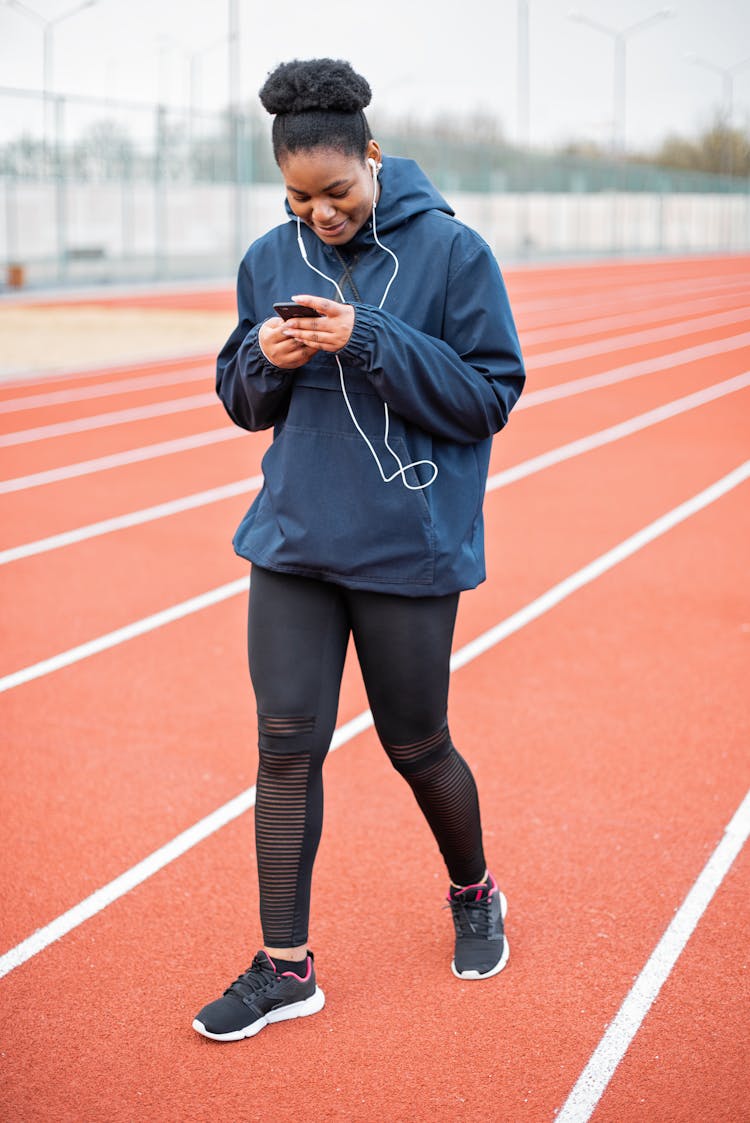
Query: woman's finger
322, 305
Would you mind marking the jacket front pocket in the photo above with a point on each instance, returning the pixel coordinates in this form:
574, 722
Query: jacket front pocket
325, 509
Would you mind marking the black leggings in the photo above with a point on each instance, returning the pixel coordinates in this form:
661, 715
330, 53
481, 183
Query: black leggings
297, 639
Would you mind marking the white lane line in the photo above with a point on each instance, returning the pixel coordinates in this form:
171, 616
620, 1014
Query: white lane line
638, 338
598, 296
191, 372
655, 313
495, 481
611, 343
606, 561
609, 377
134, 518
118, 459
122, 635
114, 417
528, 400
101, 898
593, 1081
153, 863
23, 379
616, 432
156, 861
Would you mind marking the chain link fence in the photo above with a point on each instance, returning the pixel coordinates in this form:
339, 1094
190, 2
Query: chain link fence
96, 190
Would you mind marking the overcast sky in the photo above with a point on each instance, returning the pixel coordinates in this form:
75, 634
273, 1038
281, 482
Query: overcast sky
419, 57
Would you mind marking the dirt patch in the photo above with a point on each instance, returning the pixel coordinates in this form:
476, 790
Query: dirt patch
45, 340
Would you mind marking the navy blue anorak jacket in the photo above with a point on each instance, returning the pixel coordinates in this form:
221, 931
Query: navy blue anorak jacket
443, 353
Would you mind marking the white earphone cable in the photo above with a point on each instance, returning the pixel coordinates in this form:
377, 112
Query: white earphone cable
402, 468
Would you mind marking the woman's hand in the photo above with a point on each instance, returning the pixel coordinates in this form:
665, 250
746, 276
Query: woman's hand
279, 348
330, 330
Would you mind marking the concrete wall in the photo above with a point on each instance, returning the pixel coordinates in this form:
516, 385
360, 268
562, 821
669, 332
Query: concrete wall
121, 231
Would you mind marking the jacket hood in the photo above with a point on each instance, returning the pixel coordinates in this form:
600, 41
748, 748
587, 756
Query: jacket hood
405, 191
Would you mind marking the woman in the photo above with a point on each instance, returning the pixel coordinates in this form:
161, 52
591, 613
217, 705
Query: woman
369, 522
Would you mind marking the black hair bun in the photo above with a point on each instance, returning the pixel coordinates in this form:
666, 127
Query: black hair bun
322, 83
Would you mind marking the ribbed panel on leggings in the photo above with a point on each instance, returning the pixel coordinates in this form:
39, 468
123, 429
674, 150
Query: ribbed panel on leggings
280, 821
445, 790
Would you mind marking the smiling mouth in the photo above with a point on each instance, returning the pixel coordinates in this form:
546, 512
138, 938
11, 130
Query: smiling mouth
332, 230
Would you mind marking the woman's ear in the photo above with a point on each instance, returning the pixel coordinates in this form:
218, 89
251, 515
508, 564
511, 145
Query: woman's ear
374, 152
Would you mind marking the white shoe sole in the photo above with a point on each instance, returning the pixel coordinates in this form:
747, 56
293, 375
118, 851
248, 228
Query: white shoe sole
500, 963
303, 1009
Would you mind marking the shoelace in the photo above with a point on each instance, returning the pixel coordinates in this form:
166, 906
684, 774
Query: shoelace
258, 975
471, 917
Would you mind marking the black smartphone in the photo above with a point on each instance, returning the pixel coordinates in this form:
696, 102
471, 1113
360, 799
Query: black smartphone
288, 310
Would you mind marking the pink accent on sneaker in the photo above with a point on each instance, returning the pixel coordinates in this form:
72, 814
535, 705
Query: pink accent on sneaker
268, 957
490, 885
303, 978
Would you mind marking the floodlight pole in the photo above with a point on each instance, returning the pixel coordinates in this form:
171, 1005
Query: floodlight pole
196, 58
235, 138
727, 74
53, 115
48, 43
620, 38
49, 31
523, 73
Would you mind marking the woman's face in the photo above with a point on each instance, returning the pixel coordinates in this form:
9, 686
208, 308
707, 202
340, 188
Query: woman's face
330, 191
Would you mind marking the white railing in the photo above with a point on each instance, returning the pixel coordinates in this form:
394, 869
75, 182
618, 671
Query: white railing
137, 230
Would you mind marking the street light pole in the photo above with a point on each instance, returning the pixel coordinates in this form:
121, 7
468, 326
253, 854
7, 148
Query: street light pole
48, 31
196, 58
53, 115
620, 38
523, 73
234, 126
727, 74
523, 137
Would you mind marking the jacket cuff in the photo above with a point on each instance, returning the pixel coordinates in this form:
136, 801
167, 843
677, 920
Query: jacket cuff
360, 347
252, 356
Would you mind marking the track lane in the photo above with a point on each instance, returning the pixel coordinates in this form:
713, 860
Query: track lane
502, 442
95, 587
707, 995
544, 311
21, 459
653, 315
567, 790
573, 521
250, 485
109, 436
28, 517
90, 490
39, 394
84, 377
176, 553
533, 430
727, 321
633, 276
214, 899
646, 391
47, 407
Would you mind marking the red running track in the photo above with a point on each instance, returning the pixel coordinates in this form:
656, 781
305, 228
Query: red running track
607, 723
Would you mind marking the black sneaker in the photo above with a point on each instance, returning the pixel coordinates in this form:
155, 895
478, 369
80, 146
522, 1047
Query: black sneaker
478, 915
260, 996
